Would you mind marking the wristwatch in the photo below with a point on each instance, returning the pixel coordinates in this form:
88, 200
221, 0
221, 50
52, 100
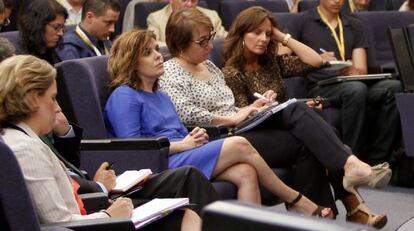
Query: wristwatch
286, 39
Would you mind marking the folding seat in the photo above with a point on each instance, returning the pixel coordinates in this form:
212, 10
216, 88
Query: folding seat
238, 216
230, 9
376, 23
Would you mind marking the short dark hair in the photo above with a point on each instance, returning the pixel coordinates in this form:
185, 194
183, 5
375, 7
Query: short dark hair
180, 27
99, 7
33, 22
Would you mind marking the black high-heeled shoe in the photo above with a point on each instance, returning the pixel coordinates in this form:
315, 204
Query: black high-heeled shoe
317, 212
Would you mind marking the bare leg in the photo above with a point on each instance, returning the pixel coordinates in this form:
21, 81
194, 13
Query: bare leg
245, 178
191, 221
237, 150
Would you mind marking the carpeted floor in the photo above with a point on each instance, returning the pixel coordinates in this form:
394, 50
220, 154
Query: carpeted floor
396, 202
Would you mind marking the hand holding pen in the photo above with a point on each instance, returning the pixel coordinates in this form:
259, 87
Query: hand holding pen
269, 96
327, 55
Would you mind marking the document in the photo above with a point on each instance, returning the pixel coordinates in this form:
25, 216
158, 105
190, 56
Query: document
261, 116
129, 179
156, 209
336, 65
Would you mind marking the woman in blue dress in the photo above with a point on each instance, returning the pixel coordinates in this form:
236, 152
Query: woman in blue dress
137, 109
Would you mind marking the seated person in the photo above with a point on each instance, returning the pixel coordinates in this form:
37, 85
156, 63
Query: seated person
29, 109
370, 123
157, 21
91, 37
201, 96
136, 108
74, 8
41, 36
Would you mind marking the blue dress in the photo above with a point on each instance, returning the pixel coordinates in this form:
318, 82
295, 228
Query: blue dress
136, 113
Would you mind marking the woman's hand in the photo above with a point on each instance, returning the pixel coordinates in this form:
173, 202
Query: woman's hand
121, 208
61, 126
196, 138
244, 113
278, 35
328, 56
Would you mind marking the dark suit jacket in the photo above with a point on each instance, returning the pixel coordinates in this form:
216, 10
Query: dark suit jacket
69, 149
72, 47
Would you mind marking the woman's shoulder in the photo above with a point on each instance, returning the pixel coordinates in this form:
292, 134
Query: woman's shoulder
231, 72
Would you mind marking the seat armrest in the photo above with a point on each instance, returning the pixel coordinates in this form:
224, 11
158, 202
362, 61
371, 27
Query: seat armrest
125, 144
105, 224
125, 154
213, 131
94, 202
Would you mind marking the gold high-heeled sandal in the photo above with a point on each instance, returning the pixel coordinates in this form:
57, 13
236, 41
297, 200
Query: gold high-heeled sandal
317, 212
374, 220
379, 177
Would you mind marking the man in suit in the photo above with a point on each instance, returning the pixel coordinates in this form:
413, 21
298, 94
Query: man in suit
157, 21
91, 37
180, 182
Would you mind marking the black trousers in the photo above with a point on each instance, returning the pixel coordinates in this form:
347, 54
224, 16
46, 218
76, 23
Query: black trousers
298, 136
370, 123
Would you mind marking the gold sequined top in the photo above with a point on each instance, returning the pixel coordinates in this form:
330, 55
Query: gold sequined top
245, 83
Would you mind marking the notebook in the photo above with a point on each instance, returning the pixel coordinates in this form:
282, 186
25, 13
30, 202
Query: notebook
367, 77
336, 65
129, 179
259, 117
156, 209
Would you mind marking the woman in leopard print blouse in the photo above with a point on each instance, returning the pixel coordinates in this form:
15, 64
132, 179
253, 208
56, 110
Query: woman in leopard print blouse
253, 65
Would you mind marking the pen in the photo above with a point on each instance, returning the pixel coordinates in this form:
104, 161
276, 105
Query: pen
322, 50
259, 96
110, 166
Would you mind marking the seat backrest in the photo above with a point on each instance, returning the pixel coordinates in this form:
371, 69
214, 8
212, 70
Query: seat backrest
14, 38
118, 24
305, 5
284, 19
402, 56
409, 33
143, 9
16, 208
229, 9
84, 83
215, 55
405, 108
379, 21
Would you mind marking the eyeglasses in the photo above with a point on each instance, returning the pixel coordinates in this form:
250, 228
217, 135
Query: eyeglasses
204, 41
57, 27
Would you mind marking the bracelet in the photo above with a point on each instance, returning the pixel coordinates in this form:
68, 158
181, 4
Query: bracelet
286, 39
106, 212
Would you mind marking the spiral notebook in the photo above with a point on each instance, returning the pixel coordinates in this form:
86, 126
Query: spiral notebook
261, 116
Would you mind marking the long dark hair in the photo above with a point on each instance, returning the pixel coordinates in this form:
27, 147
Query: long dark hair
247, 21
33, 24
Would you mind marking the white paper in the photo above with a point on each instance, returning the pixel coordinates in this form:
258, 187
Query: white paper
130, 178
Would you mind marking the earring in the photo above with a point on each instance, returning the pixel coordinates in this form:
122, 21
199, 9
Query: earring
181, 54
243, 43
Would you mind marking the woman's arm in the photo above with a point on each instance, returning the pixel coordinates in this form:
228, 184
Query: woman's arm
196, 138
305, 53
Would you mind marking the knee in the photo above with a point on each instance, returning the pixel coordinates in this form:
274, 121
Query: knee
246, 174
355, 90
241, 144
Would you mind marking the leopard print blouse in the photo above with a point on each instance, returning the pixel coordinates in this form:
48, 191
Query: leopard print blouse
244, 84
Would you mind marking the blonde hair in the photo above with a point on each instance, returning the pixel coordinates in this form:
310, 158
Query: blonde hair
20, 76
123, 59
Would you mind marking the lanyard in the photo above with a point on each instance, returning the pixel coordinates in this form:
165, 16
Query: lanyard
351, 5
88, 42
339, 40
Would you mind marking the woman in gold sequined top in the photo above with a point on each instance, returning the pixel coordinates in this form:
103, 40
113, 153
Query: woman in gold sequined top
253, 51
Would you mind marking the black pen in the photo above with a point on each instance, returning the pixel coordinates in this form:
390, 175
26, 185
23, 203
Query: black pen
128, 193
110, 166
